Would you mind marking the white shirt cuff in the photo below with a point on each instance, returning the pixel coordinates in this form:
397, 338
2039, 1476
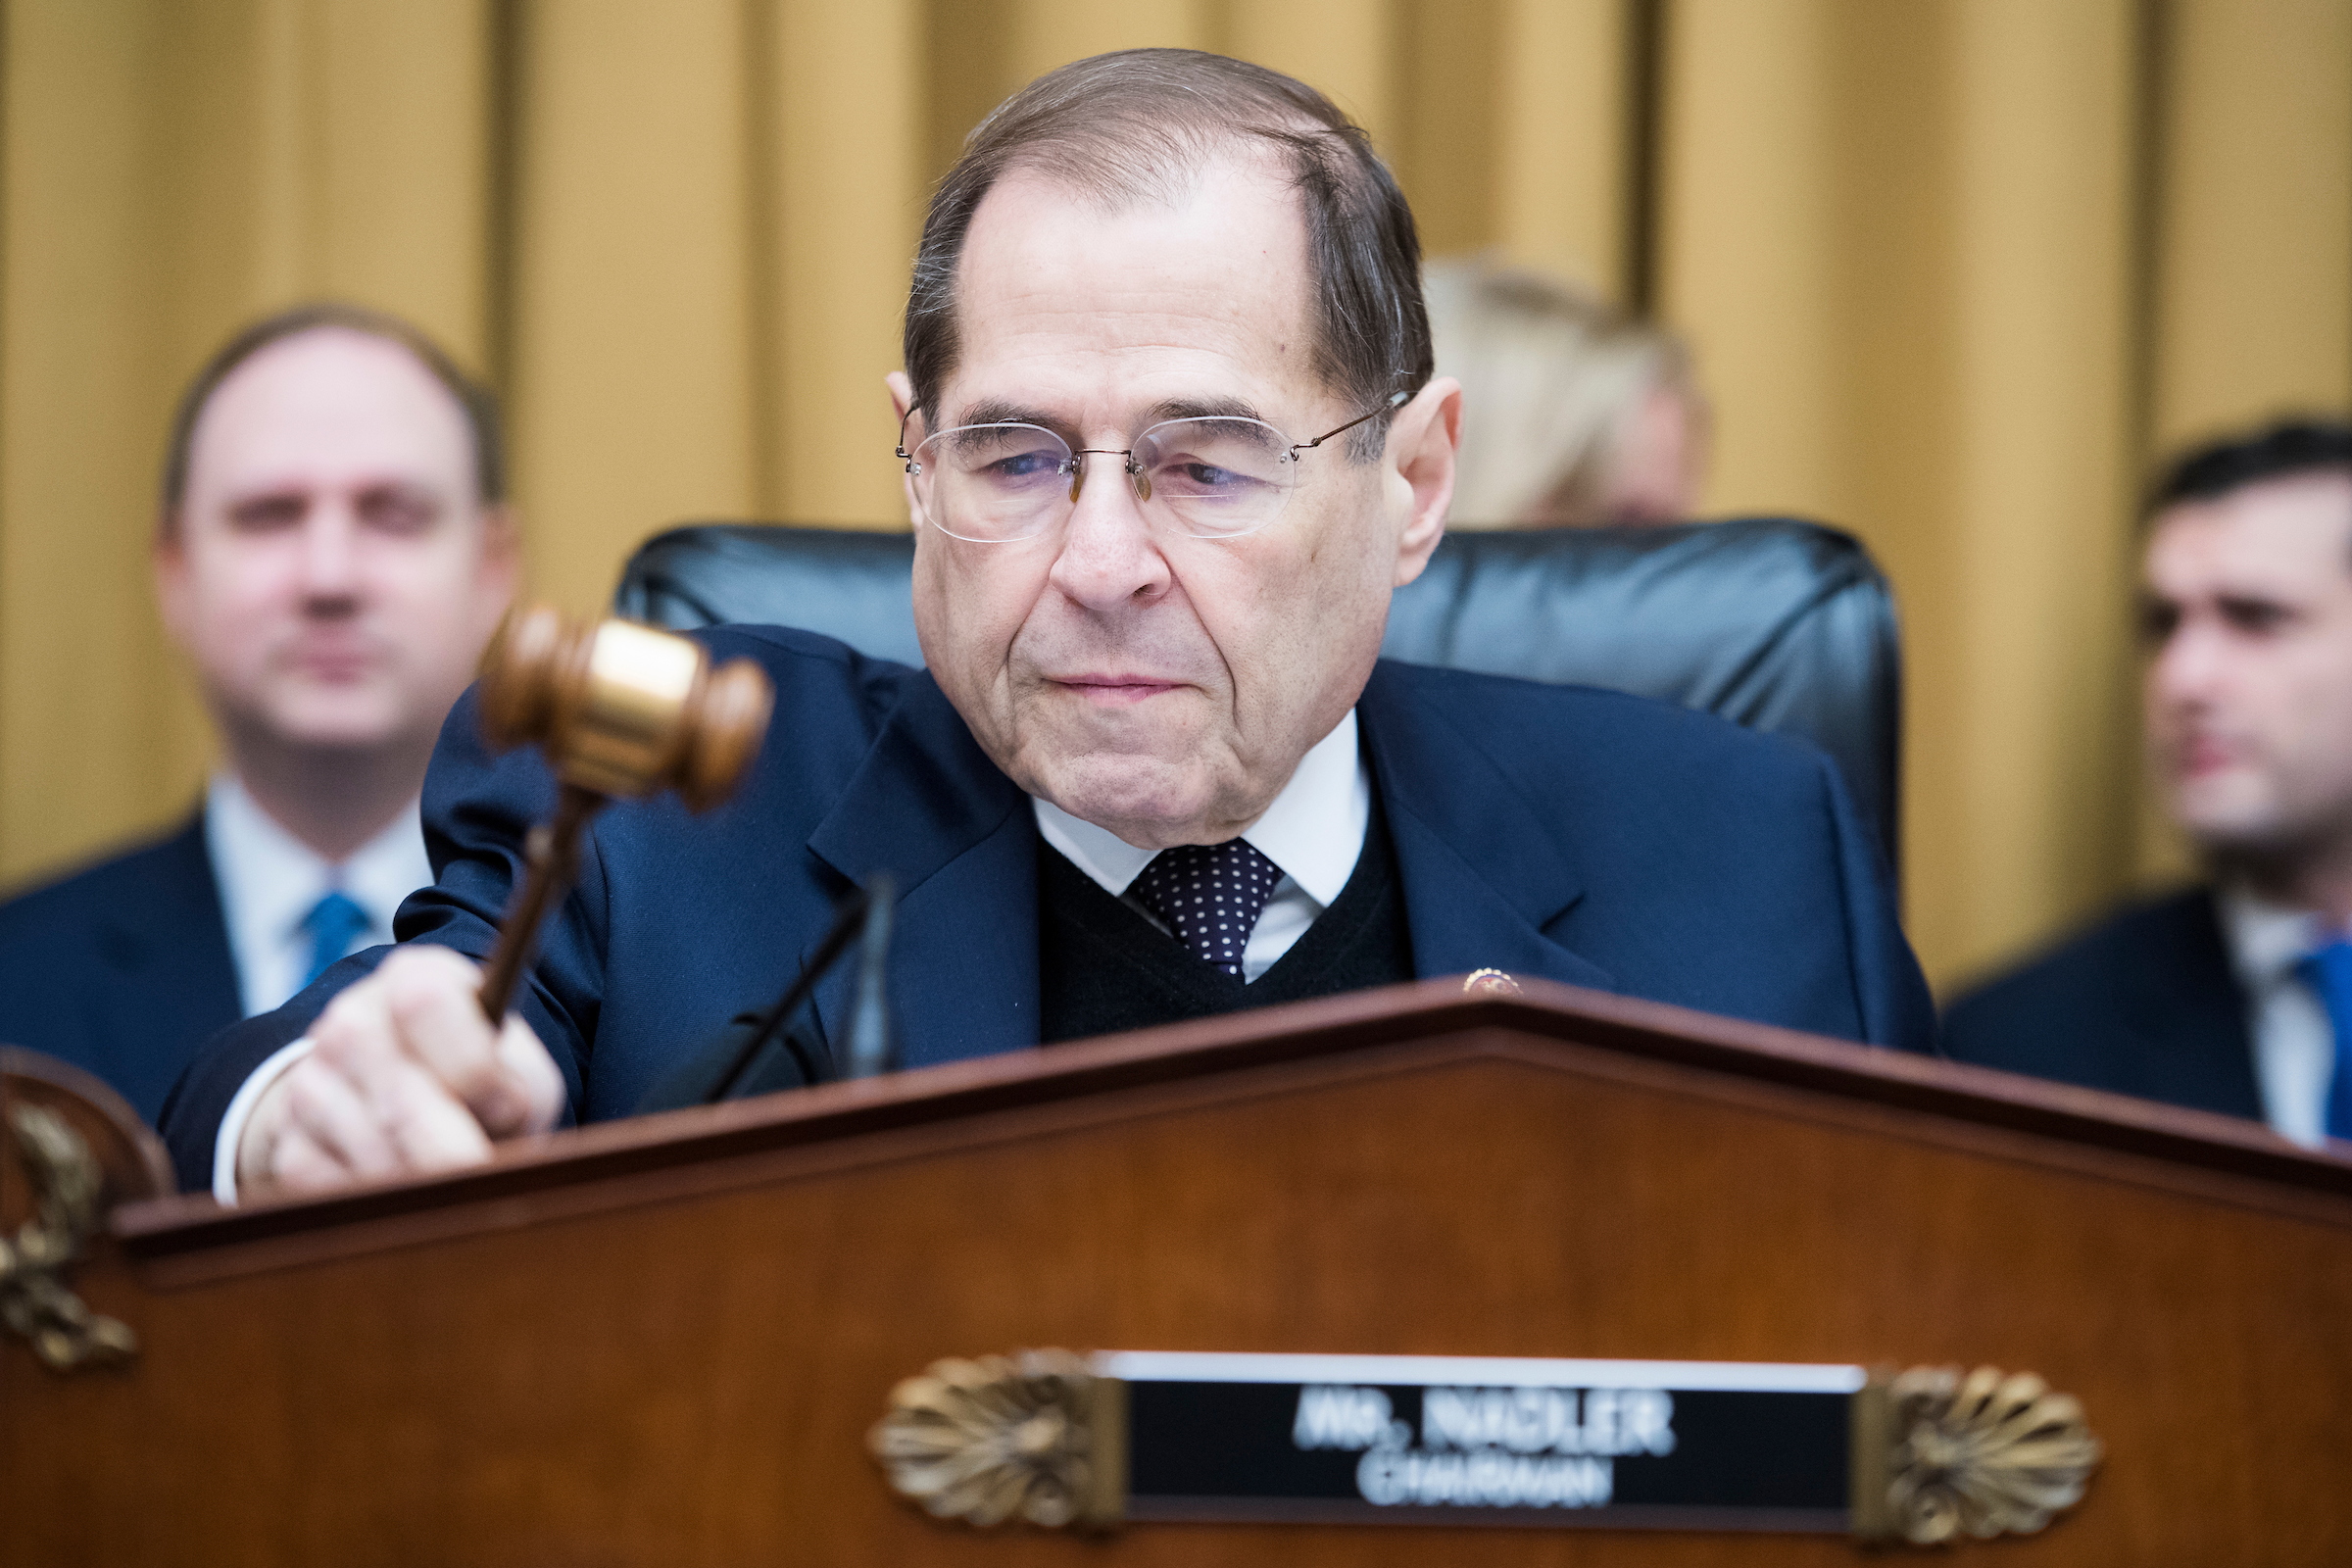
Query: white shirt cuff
240, 1112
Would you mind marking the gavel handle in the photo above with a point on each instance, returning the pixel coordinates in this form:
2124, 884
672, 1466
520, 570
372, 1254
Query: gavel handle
554, 863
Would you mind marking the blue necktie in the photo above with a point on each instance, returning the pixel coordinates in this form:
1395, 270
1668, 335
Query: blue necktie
1210, 895
2329, 972
334, 923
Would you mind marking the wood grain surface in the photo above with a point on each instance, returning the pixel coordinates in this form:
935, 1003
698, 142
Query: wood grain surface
665, 1341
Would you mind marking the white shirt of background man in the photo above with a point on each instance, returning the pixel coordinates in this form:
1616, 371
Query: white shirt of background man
270, 880
2295, 1044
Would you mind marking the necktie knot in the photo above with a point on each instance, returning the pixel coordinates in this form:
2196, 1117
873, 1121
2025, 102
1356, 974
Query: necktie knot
1210, 895
334, 923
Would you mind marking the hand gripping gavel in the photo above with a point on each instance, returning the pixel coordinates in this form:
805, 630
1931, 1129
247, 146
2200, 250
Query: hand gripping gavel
621, 712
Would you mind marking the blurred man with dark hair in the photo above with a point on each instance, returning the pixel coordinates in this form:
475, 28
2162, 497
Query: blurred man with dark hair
332, 551
2236, 995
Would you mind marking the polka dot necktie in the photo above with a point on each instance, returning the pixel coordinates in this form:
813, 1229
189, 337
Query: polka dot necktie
1210, 895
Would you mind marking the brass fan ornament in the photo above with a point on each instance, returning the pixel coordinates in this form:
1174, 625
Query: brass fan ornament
1017, 1437
1983, 1454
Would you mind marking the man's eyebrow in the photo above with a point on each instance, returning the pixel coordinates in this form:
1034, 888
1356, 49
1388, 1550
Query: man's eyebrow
1002, 411
999, 411
1205, 408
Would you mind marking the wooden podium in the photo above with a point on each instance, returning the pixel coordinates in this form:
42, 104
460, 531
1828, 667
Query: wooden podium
666, 1340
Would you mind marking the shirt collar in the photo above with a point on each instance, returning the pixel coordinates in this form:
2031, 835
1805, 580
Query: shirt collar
1314, 830
270, 879
2266, 940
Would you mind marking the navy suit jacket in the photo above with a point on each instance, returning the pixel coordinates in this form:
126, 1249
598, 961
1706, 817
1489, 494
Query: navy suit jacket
2143, 1003
1591, 838
124, 968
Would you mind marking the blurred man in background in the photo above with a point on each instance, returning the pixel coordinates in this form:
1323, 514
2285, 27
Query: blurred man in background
1576, 415
333, 550
2234, 997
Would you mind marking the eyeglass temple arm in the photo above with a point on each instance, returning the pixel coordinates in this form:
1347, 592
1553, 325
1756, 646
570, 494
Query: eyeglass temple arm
1396, 400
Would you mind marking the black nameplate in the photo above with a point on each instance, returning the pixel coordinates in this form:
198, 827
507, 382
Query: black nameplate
1426, 1440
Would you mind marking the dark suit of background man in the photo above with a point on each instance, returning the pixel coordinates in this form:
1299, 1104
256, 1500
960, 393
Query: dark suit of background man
2235, 996
332, 552
1172, 437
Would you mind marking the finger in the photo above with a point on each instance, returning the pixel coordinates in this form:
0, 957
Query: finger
356, 1025
536, 1074
428, 1126
328, 1111
434, 999
257, 1146
297, 1164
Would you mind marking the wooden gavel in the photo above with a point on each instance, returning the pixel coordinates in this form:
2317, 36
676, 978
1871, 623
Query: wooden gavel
621, 712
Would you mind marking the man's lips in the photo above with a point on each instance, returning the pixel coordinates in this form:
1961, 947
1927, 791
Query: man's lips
2201, 755
1115, 689
333, 660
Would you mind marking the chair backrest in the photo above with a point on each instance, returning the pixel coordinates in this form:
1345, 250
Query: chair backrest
1778, 624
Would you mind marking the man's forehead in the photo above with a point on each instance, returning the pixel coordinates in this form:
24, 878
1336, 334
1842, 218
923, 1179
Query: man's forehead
2285, 532
1061, 291
332, 394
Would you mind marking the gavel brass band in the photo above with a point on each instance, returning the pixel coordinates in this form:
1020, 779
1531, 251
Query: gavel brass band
619, 711
622, 710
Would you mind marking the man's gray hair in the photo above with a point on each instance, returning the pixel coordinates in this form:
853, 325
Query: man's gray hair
1141, 122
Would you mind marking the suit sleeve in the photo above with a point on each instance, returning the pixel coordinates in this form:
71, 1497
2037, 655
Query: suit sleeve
1889, 992
478, 812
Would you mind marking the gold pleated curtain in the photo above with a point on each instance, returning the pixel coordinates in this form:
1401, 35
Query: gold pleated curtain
1954, 269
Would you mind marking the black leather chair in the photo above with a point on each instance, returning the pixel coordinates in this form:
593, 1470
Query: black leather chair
1778, 624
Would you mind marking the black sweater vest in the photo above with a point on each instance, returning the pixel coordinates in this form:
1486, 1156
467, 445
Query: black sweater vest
1103, 968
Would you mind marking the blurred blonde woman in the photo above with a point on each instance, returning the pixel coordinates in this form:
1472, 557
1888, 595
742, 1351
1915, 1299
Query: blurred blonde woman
1574, 415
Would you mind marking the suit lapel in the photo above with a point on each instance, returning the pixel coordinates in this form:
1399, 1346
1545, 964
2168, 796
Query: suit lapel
1483, 873
2187, 1002
928, 807
167, 957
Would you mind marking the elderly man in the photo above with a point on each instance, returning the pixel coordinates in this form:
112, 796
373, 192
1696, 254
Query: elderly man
332, 552
1171, 439
2235, 996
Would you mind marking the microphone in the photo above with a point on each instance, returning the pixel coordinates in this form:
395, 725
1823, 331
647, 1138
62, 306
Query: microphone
873, 1043
731, 1068
864, 913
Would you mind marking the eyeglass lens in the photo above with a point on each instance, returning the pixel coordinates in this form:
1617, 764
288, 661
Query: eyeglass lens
1211, 478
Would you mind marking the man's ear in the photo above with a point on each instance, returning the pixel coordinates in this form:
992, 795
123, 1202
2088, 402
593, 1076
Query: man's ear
502, 554
902, 400
1423, 439
173, 593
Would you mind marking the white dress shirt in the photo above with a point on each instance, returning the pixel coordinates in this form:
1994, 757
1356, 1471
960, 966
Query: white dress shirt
2295, 1044
270, 880
1314, 832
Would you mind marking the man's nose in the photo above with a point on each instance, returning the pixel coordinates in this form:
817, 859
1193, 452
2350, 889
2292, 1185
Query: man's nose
1109, 557
329, 540
2190, 664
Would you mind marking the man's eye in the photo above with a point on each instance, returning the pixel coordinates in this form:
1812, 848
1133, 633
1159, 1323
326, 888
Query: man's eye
395, 513
2255, 617
269, 515
2157, 623
1024, 466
